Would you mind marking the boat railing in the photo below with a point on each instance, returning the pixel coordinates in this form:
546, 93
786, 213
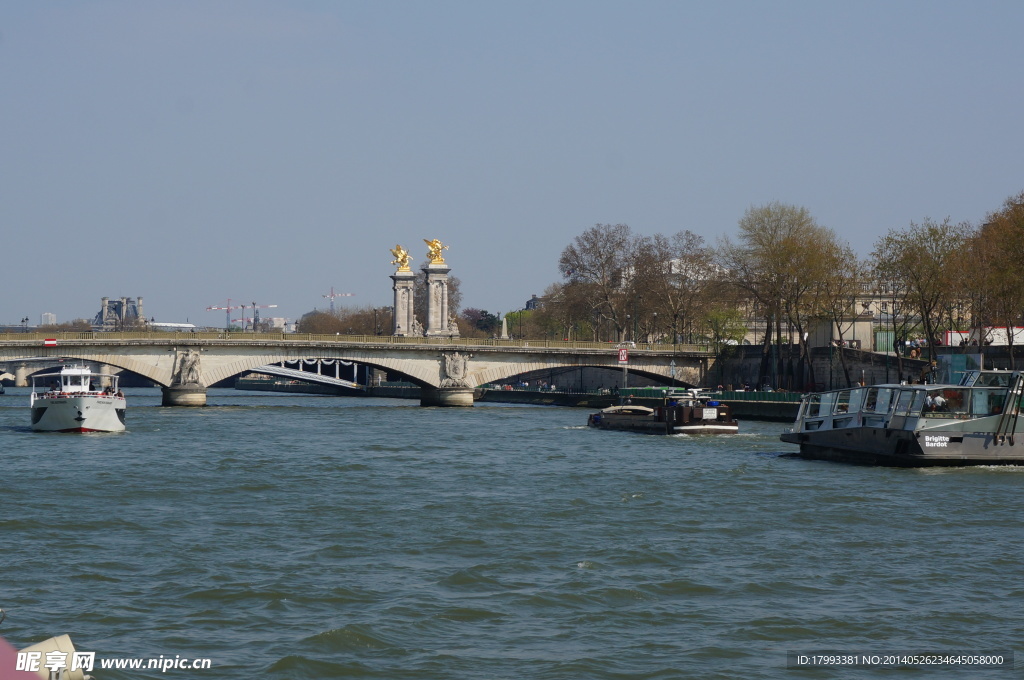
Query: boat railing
1006, 428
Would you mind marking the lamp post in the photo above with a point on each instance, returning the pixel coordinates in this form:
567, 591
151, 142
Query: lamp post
655, 327
24, 325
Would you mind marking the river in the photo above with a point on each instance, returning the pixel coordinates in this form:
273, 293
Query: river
295, 536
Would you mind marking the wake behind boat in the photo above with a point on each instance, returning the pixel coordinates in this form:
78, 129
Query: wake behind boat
69, 401
974, 422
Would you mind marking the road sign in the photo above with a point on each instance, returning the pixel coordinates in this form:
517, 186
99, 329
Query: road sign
623, 355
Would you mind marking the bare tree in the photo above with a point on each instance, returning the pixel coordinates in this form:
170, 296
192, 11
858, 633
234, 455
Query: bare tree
598, 261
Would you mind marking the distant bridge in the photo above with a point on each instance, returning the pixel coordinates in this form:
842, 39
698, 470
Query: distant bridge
447, 369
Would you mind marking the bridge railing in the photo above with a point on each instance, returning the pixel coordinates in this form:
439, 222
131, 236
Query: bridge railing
36, 338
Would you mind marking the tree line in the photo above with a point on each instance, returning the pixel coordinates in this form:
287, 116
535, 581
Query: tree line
790, 274
781, 274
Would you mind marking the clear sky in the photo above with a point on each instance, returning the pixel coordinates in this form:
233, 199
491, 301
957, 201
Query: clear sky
195, 151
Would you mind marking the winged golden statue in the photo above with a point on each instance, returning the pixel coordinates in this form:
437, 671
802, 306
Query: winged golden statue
401, 258
434, 249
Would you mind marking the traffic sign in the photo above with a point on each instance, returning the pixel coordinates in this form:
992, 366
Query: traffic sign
623, 355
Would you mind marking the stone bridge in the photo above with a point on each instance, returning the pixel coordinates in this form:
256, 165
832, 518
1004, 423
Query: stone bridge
447, 369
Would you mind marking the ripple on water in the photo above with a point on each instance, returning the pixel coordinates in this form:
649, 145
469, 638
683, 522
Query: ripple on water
301, 538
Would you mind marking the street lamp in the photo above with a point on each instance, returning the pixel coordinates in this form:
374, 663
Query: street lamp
24, 325
655, 327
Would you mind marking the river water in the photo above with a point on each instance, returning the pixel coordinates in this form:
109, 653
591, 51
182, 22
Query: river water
295, 536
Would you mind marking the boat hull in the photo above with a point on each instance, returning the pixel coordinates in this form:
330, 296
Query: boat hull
86, 413
668, 420
909, 448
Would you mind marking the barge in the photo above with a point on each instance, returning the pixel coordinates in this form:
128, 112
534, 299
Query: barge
688, 412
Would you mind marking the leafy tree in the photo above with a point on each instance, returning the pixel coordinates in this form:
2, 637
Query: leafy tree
924, 258
843, 280
366, 320
482, 320
996, 290
320, 323
775, 262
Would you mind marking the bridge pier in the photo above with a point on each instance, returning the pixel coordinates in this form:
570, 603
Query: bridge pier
21, 375
446, 396
183, 395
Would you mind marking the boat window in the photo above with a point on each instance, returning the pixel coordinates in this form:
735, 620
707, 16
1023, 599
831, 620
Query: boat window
903, 401
828, 402
919, 399
987, 401
842, 402
857, 399
813, 406
946, 403
878, 399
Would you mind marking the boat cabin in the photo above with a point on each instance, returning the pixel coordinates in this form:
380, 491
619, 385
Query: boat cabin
73, 380
980, 394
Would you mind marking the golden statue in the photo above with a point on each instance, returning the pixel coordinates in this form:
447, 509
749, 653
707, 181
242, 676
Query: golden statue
434, 249
401, 258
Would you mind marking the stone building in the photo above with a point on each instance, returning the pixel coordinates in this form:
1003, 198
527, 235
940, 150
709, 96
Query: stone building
117, 314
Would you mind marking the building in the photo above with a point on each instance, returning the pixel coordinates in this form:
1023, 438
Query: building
117, 314
47, 319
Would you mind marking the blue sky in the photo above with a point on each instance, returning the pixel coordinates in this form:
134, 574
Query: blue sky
192, 152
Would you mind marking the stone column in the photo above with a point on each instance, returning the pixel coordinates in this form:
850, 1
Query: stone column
403, 316
438, 315
21, 375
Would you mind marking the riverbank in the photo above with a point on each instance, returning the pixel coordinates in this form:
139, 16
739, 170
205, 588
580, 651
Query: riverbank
781, 406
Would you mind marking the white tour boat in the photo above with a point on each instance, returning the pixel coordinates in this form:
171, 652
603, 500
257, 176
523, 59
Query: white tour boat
76, 400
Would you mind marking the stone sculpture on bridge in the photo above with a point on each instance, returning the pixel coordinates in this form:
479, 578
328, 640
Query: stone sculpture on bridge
455, 369
188, 368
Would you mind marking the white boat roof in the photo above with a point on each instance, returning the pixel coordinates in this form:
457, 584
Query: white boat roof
72, 370
627, 408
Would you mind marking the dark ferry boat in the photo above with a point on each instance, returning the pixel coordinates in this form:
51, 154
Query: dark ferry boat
687, 412
974, 422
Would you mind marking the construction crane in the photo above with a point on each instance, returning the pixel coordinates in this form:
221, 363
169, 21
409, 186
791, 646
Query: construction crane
256, 313
228, 308
333, 295
227, 313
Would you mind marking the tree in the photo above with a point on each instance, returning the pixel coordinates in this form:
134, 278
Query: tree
775, 262
78, 325
999, 288
481, 320
842, 282
598, 262
320, 323
677, 273
923, 258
